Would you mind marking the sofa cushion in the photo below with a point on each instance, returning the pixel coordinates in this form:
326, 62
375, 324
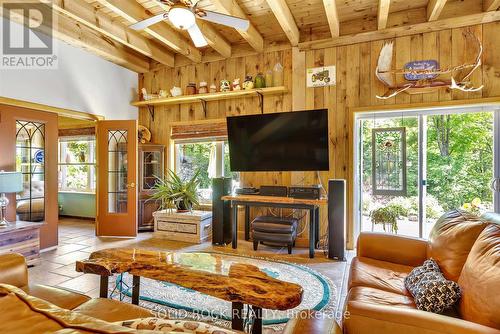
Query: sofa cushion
451, 239
431, 291
480, 280
177, 326
387, 276
63, 298
112, 310
380, 297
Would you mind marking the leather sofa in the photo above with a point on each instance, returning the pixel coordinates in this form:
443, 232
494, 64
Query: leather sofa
28, 308
467, 249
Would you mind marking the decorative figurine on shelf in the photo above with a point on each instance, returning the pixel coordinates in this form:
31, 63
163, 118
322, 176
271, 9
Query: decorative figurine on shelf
260, 81
146, 96
225, 86
203, 88
162, 93
248, 83
143, 134
213, 88
191, 89
236, 84
176, 91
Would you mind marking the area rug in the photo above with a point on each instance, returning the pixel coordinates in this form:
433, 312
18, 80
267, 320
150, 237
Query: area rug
320, 293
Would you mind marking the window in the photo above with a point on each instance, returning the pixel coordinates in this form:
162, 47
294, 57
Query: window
211, 158
30, 160
77, 164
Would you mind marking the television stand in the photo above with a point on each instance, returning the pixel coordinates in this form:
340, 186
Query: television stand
248, 201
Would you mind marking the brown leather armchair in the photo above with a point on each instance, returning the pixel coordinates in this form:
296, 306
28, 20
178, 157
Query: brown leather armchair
467, 250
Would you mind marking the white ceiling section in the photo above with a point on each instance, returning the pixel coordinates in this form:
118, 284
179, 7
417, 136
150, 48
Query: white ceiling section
82, 82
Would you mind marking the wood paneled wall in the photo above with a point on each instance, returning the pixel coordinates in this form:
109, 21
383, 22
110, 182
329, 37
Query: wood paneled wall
356, 87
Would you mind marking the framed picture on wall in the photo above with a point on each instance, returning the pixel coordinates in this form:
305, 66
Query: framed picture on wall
321, 76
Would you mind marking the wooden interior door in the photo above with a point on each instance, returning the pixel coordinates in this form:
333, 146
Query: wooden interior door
117, 178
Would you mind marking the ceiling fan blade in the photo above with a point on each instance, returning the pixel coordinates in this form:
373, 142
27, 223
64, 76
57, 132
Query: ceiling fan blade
227, 20
197, 36
149, 21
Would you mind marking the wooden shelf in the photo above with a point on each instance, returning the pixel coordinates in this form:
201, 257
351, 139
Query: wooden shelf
184, 99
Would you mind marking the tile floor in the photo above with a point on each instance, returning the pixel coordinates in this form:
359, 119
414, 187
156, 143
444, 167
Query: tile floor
77, 240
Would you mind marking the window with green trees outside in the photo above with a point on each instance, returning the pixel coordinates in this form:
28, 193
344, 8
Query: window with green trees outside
211, 158
77, 164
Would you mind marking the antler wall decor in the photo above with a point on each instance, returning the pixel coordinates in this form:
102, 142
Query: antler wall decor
424, 75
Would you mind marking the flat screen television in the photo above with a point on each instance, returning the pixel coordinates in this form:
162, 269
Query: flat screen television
288, 141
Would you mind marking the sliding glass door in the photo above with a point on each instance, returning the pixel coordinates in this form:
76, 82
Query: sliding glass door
413, 166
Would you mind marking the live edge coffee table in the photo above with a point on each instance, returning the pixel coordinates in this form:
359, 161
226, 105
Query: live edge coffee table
241, 284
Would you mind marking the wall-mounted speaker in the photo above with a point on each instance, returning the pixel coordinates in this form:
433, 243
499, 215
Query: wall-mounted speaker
336, 219
221, 211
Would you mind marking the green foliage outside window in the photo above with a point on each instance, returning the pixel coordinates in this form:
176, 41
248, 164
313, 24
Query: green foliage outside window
459, 156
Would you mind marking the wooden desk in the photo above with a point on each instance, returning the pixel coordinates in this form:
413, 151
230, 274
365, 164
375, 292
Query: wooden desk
21, 237
238, 283
277, 202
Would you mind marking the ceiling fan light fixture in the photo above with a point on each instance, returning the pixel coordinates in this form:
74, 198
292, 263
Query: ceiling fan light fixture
181, 17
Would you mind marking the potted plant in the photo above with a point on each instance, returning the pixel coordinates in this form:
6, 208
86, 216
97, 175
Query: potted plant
173, 191
388, 215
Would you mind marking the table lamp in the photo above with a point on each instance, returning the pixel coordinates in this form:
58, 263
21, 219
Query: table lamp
10, 182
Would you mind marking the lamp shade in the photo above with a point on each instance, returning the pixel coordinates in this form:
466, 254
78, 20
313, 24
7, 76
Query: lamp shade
11, 182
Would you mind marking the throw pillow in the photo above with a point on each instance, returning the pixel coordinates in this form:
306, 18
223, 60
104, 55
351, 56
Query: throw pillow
430, 290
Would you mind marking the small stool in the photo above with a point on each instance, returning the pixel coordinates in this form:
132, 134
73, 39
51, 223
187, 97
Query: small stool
274, 230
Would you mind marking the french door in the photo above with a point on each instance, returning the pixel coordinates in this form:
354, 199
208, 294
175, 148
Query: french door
117, 178
418, 164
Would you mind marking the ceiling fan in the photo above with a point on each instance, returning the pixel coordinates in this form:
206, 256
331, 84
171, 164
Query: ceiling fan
183, 14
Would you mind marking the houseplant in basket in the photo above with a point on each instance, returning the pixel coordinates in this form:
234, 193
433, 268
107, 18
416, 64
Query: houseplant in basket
388, 215
173, 191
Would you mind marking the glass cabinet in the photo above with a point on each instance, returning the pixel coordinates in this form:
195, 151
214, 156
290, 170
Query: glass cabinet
151, 167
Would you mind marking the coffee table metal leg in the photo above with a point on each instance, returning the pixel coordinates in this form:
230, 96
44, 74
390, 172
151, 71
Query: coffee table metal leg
237, 316
235, 225
136, 283
103, 290
257, 323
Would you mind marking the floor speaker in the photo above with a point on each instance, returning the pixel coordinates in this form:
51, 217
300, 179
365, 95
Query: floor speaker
221, 211
336, 219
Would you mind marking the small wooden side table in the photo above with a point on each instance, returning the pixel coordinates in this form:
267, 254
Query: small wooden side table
23, 238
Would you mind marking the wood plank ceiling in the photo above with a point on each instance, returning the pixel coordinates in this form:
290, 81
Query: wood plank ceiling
274, 23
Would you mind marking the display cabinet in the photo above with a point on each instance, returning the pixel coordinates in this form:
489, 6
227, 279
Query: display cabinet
151, 167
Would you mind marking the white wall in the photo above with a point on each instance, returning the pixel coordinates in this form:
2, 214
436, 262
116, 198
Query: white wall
82, 82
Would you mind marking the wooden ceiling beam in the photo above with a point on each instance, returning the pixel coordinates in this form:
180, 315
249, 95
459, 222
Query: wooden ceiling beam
213, 37
419, 28
332, 16
489, 5
383, 13
86, 14
434, 9
133, 12
252, 35
285, 19
85, 38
